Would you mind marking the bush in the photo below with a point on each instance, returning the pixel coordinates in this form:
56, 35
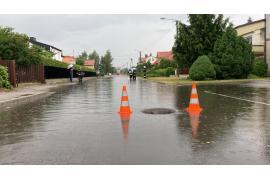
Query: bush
165, 63
202, 69
232, 56
4, 82
259, 68
170, 71
166, 72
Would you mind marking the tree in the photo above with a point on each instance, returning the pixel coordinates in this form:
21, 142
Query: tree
94, 55
202, 69
232, 56
140, 67
81, 58
198, 38
15, 46
106, 62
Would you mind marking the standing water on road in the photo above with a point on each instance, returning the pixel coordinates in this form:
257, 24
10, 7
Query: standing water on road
79, 124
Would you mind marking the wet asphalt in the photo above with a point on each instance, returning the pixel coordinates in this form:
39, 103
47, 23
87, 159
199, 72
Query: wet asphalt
79, 124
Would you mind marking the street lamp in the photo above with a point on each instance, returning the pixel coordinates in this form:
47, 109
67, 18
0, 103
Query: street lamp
176, 23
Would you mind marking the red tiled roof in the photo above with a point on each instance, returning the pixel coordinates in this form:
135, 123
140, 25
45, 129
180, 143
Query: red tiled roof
69, 59
165, 54
89, 62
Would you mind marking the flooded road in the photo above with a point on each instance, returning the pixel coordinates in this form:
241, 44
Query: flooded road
79, 124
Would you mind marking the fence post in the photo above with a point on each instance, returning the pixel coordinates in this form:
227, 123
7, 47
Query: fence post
13, 73
42, 73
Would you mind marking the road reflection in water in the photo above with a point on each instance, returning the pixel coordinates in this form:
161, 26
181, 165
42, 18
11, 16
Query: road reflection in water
194, 123
125, 124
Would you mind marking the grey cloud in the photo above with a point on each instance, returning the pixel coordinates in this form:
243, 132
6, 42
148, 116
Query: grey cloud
122, 34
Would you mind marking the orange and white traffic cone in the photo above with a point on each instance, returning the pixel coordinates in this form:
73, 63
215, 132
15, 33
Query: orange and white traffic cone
194, 105
125, 124
124, 106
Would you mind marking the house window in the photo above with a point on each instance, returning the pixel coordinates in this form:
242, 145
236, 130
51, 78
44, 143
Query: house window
249, 39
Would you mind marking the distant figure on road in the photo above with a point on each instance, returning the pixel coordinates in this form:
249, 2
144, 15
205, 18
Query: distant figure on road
144, 71
80, 74
130, 74
134, 73
70, 69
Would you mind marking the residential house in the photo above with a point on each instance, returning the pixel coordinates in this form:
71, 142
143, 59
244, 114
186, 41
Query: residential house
90, 63
165, 55
149, 58
254, 32
57, 53
69, 59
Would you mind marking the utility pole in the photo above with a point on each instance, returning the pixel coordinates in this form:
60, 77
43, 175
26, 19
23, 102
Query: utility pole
177, 22
131, 62
140, 57
267, 42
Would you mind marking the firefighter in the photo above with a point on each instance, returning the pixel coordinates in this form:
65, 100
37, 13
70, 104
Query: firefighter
130, 74
134, 73
144, 71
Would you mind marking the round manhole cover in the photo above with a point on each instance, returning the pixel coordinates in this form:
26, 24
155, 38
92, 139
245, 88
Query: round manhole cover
158, 111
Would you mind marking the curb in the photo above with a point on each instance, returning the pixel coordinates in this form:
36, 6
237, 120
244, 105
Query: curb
30, 98
22, 100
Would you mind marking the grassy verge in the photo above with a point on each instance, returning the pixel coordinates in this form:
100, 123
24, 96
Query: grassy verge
177, 81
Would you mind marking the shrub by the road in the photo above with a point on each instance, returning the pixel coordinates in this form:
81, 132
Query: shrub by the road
259, 67
202, 69
232, 56
4, 82
165, 63
165, 72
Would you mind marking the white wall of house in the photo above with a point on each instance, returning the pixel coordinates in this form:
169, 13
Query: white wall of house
256, 38
56, 54
151, 59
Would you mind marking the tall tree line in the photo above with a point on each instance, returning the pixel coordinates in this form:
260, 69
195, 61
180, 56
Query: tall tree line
198, 38
103, 63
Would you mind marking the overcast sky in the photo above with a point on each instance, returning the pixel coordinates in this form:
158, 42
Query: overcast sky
124, 35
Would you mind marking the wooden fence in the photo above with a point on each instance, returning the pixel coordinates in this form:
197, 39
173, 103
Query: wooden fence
30, 73
20, 74
11, 70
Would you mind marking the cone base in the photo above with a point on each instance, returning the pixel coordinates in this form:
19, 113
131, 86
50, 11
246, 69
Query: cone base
125, 110
194, 110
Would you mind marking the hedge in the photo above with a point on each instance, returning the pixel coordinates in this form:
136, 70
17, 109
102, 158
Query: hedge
165, 72
55, 63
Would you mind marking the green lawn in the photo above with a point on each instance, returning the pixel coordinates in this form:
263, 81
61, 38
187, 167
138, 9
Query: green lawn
177, 81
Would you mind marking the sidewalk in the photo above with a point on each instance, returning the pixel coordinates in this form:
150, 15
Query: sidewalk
32, 91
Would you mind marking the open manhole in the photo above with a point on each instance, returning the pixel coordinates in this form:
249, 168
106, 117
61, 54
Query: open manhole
158, 111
